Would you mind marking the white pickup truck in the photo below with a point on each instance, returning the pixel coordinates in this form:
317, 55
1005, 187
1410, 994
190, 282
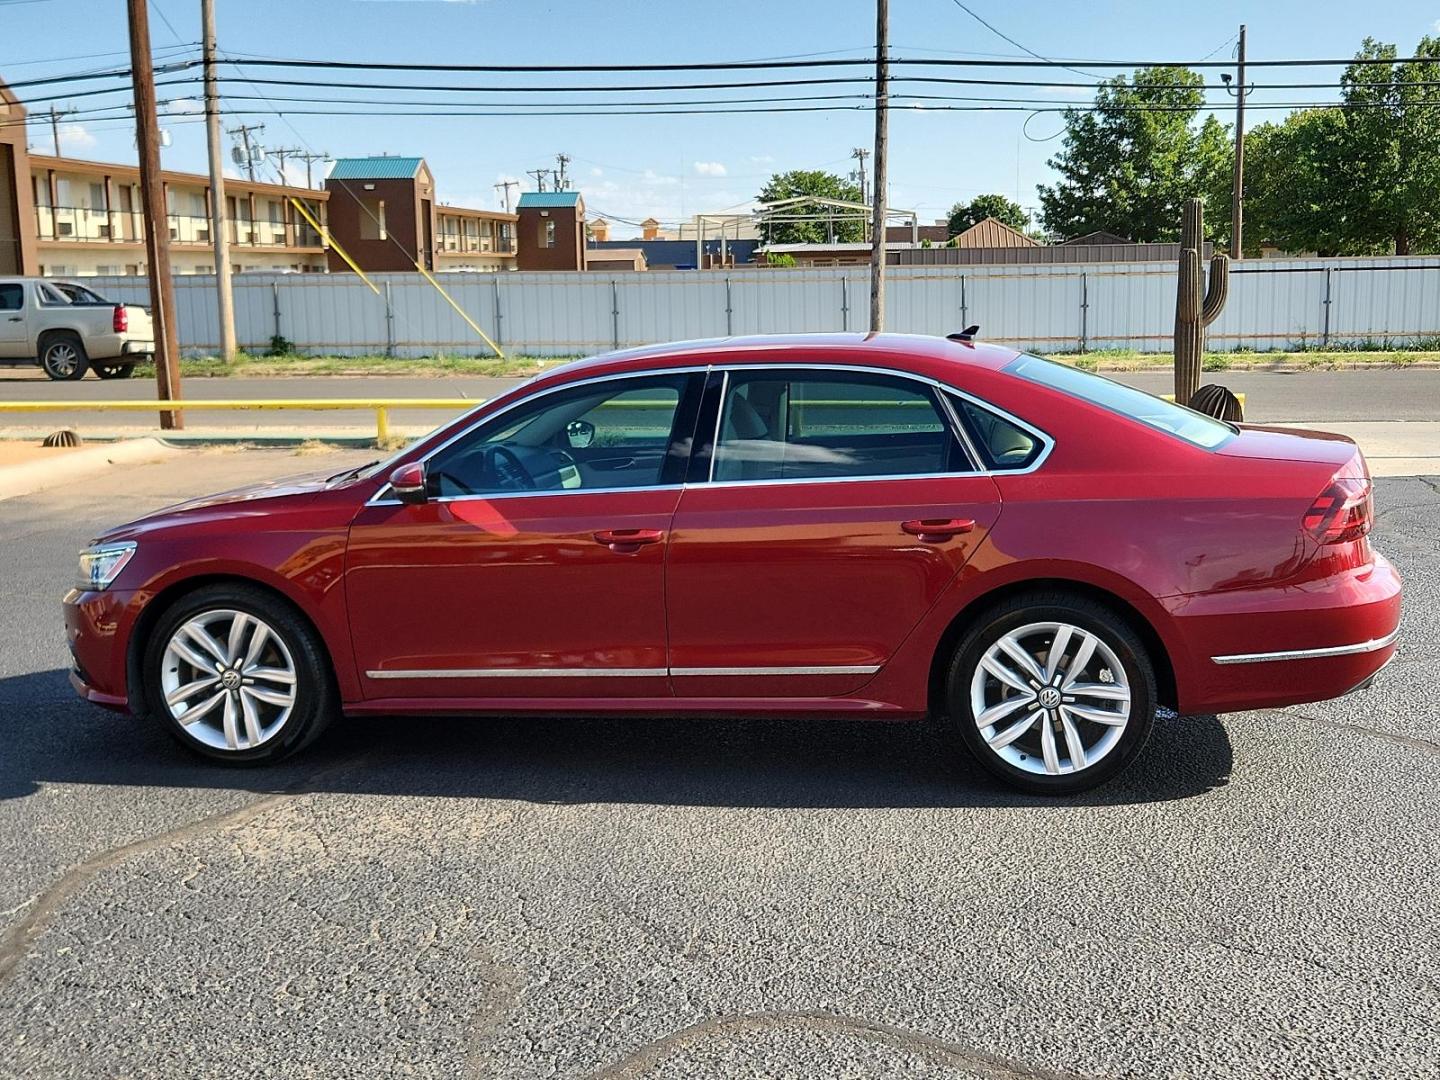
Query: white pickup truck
68, 328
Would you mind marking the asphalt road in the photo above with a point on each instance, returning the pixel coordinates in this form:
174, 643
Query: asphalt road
1321, 396
527, 898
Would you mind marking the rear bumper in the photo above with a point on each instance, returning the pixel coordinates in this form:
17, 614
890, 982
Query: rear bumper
137, 348
1286, 645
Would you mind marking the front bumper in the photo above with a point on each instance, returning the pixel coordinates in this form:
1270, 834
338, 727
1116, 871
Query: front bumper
96, 630
1286, 645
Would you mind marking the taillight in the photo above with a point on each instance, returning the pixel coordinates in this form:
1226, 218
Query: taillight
120, 321
1343, 512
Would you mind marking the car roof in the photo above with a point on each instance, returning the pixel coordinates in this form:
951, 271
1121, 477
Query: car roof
882, 350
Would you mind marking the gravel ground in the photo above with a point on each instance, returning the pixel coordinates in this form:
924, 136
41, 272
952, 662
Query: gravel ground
530, 897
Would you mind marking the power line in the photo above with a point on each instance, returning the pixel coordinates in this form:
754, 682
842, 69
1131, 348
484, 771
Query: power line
1023, 48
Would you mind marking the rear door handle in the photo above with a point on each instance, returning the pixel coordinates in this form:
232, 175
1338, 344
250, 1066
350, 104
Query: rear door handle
17, 318
628, 541
937, 529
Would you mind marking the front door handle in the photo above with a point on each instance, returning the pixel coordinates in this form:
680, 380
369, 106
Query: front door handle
628, 541
936, 530
17, 318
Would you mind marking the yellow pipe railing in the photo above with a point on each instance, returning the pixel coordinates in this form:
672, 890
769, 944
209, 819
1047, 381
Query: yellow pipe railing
379, 406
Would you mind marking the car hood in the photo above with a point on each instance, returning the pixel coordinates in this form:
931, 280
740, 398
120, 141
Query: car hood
1290, 444
302, 488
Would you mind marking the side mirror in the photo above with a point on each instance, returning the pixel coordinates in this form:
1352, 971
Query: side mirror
408, 483
579, 434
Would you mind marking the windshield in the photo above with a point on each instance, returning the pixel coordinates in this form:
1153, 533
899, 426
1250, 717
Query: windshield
1195, 428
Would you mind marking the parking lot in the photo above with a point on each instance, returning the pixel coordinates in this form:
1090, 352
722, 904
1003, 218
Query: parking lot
532, 897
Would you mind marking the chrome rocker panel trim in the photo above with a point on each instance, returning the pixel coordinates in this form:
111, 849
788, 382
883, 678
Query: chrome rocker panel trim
562, 673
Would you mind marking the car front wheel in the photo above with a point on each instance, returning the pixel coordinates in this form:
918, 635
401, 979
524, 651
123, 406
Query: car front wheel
237, 675
1054, 694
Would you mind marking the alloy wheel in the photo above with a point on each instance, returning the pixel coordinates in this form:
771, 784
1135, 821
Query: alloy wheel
1050, 698
229, 679
61, 359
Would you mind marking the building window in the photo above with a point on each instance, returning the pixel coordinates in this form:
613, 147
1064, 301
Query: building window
372, 219
548, 235
107, 271
97, 196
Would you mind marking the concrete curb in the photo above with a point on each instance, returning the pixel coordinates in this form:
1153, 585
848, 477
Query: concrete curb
32, 476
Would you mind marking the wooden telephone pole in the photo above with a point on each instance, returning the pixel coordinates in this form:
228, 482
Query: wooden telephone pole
1237, 197
219, 229
157, 226
882, 141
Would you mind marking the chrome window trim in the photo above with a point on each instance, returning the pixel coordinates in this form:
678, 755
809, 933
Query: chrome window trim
378, 500
631, 673
1373, 645
1048, 443
375, 500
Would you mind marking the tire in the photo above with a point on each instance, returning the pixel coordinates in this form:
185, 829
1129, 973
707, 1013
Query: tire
1117, 677
63, 357
222, 727
114, 371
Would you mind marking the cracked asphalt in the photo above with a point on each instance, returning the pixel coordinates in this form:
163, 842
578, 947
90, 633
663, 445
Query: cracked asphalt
1257, 896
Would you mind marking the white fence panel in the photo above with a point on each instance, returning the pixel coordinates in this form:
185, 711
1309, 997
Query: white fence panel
1052, 308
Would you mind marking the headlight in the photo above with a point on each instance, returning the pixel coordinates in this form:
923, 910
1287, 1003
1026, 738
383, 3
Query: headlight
101, 564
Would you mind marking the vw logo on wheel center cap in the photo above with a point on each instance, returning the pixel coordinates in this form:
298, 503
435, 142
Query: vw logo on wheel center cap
230, 679
1049, 698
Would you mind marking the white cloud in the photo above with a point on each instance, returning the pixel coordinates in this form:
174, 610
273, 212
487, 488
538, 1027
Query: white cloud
596, 171
710, 168
75, 137
761, 159
184, 106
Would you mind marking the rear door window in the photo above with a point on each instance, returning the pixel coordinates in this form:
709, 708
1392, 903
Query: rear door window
12, 297
814, 425
1002, 443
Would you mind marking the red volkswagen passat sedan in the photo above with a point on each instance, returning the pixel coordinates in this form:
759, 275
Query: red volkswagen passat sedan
881, 526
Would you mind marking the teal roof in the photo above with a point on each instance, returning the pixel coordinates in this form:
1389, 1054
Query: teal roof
550, 198
375, 168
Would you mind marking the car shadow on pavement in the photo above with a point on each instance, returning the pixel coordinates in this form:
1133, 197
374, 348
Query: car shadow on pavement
49, 736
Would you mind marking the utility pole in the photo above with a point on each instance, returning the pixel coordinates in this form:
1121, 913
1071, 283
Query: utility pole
244, 131
309, 158
282, 154
1237, 197
157, 228
561, 182
504, 189
55, 115
539, 175
882, 140
219, 229
860, 154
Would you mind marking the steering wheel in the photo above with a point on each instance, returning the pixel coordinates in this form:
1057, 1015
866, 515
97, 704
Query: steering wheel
509, 471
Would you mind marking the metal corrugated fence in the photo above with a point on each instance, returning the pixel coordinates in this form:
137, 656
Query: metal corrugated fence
1273, 304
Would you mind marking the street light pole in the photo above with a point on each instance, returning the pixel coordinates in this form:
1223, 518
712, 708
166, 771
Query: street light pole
878, 189
219, 235
157, 224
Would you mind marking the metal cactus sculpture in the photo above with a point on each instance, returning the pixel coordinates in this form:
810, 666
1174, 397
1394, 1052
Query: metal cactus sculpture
1196, 305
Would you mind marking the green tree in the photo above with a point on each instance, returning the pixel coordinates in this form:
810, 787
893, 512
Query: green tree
1362, 178
1003, 210
1293, 187
818, 184
1129, 164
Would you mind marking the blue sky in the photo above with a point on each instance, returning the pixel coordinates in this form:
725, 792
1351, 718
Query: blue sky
669, 166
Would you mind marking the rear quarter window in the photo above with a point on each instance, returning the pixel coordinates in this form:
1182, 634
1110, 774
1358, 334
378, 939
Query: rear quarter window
1193, 427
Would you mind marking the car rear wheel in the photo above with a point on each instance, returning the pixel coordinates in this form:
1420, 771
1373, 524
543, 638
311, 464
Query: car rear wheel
1054, 694
114, 371
63, 357
237, 675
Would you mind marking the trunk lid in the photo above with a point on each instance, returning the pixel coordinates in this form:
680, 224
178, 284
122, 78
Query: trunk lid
1323, 448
